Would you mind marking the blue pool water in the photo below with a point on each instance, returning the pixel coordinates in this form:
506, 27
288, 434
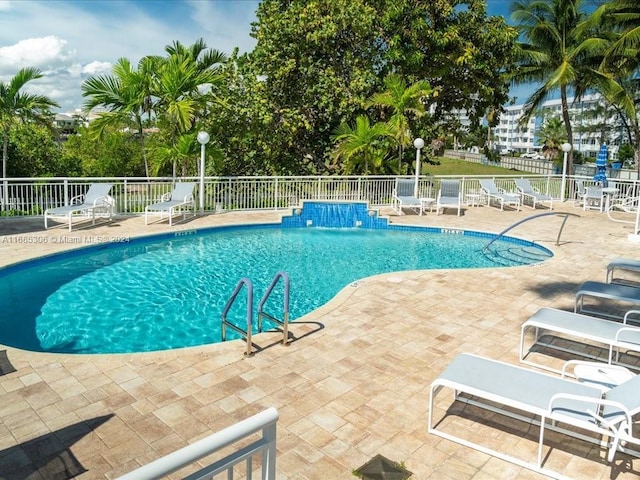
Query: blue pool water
162, 294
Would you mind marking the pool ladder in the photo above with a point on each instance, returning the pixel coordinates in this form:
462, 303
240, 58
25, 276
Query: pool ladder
246, 334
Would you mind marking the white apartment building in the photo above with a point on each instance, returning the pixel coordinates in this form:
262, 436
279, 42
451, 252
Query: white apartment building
508, 135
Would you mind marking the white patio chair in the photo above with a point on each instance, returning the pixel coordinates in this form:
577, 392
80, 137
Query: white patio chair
593, 198
403, 196
579, 193
500, 195
96, 202
179, 200
449, 196
528, 192
566, 407
613, 336
614, 292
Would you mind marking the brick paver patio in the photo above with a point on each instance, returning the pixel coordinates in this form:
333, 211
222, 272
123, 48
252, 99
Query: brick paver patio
353, 384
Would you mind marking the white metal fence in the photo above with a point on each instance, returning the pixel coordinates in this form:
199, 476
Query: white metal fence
529, 165
541, 167
32, 196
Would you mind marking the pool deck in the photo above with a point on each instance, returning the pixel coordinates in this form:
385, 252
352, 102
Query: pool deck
354, 382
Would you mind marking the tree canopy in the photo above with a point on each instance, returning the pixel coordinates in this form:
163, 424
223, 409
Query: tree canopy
318, 62
18, 106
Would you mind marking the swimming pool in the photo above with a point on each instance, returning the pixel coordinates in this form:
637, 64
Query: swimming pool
169, 292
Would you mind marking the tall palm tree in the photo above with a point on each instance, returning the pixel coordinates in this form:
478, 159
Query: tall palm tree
621, 18
206, 59
555, 53
625, 17
184, 85
623, 94
403, 102
19, 106
360, 147
127, 95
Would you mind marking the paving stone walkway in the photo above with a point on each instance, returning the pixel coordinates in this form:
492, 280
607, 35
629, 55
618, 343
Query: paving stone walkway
354, 383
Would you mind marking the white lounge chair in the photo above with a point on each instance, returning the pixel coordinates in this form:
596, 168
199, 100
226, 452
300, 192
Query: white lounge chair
449, 196
96, 202
605, 291
580, 193
622, 263
621, 206
493, 192
613, 336
564, 406
179, 200
528, 192
593, 198
403, 196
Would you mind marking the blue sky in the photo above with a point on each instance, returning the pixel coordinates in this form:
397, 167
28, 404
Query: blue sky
499, 7
71, 40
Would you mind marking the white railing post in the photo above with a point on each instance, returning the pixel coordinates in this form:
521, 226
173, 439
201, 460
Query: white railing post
65, 187
126, 197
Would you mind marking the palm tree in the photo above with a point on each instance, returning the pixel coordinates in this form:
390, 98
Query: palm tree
360, 145
206, 59
556, 53
18, 106
624, 15
621, 19
623, 94
127, 94
184, 85
403, 103
598, 120
552, 135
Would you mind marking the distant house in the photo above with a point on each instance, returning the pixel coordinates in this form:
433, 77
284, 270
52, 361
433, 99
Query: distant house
66, 124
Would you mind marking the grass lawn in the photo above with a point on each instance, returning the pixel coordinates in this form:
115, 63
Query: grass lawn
456, 166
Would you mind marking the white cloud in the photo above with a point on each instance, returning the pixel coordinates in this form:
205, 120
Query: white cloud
36, 52
97, 68
4, 5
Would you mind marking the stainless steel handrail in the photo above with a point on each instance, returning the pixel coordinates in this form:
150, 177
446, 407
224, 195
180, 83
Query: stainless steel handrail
284, 323
225, 323
510, 227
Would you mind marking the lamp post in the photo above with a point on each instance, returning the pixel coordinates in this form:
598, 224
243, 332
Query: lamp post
566, 148
203, 139
418, 143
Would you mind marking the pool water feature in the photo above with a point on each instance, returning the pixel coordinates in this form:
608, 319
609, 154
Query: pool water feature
168, 292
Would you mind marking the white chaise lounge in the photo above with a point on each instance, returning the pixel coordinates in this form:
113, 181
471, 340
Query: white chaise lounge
622, 263
612, 336
565, 406
403, 196
449, 196
179, 200
527, 192
96, 202
605, 291
492, 192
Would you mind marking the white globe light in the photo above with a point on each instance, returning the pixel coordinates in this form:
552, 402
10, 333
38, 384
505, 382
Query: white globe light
566, 147
203, 137
418, 143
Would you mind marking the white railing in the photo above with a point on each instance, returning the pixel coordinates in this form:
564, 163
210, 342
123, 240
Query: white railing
264, 421
32, 196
